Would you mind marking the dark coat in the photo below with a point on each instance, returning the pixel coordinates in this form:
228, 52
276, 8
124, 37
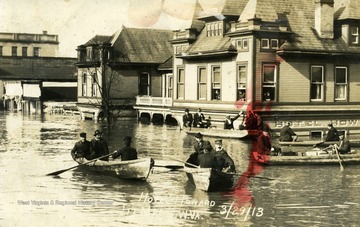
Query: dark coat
207, 160
99, 148
199, 119
81, 149
187, 120
286, 134
263, 144
332, 135
126, 153
199, 149
224, 160
229, 124
344, 147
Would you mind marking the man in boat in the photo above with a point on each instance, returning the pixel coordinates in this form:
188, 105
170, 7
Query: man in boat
199, 119
333, 134
264, 143
287, 134
127, 152
187, 119
229, 121
99, 146
207, 158
224, 161
344, 146
81, 148
199, 148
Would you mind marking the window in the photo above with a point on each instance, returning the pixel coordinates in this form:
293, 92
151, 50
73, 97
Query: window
14, 51
241, 83
242, 44
269, 82
24, 51
214, 29
316, 135
1, 51
354, 35
94, 84
181, 84
317, 83
169, 86
83, 82
341, 83
144, 83
89, 53
274, 43
265, 44
216, 83
202, 84
36, 51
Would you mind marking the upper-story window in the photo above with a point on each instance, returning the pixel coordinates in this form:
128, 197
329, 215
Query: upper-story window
144, 83
317, 83
216, 83
269, 82
269, 44
1, 51
14, 51
36, 51
242, 44
202, 83
24, 51
89, 53
94, 84
83, 83
241, 82
214, 28
181, 84
341, 83
354, 35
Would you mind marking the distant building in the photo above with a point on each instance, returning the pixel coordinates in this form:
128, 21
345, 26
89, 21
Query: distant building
118, 68
31, 72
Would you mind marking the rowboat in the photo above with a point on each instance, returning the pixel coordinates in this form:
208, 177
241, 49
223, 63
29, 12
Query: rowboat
316, 157
221, 133
208, 179
312, 143
138, 169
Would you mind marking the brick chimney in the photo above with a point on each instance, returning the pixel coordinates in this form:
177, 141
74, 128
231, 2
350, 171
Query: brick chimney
324, 18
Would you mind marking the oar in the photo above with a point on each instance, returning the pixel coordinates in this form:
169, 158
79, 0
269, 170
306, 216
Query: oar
172, 167
315, 145
187, 163
64, 170
339, 158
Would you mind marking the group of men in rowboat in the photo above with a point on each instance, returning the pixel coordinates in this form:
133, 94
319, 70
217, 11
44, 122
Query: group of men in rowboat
98, 147
288, 135
205, 156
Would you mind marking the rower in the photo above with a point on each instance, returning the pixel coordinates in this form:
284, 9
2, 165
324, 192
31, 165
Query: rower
199, 148
224, 161
207, 158
127, 152
344, 145
81, 148
287, 134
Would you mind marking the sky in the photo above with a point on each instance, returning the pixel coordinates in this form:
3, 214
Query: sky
77, 21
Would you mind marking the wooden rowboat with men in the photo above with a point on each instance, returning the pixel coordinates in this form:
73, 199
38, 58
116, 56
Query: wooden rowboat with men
222, 133
138, 169
314, 157
208, 179
314, 143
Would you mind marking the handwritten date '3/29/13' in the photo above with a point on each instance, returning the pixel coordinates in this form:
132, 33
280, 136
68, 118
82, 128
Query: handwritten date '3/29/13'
246, 212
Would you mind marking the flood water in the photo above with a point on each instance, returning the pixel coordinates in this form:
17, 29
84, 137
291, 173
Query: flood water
32, 146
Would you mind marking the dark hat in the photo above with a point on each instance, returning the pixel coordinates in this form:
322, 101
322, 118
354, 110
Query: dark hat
83, 135
186, 110
198, 135
127, 139
207, 146
341, 133
218, 142
97, 132
330, 124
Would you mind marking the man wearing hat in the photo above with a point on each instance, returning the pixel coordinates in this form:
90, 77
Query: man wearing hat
81, 148
207, 158
187, 118
229, 121
99, 146
199, 119
344, 146
333, 134
127, 152
224, 161
287, 134
199, 148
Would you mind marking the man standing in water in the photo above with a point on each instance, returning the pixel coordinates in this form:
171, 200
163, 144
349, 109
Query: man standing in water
99, 146
81, 148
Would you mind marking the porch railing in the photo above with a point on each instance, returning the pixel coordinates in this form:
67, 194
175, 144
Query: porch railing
153, 101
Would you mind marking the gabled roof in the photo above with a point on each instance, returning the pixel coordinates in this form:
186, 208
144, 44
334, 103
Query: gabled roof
195, 23
140, 45
347, 9
261, 9
44, 69
98, 39
233, 7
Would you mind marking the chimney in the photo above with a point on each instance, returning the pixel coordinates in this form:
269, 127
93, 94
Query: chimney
324, 18
44, 32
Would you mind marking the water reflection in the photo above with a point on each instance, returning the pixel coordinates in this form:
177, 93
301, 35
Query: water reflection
32, 146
